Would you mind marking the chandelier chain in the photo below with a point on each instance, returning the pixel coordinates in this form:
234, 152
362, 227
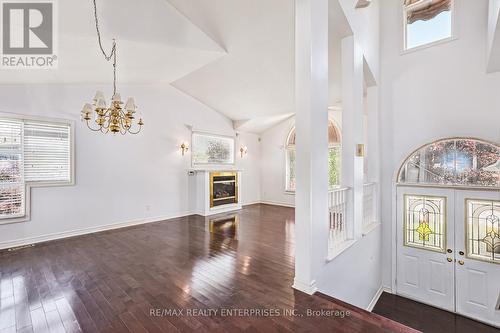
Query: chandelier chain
116, 118
113, 53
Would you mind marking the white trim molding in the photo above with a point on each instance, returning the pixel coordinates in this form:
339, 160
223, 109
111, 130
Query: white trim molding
376, 297
86, 231
274, 203
309, 289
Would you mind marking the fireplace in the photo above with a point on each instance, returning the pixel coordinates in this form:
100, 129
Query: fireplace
223, 188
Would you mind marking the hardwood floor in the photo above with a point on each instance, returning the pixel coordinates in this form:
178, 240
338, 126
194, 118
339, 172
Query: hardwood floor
151, 278
426, 318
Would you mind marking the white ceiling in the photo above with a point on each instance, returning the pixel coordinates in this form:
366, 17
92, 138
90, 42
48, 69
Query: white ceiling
256, 78
235, 56
156, 44
254, 83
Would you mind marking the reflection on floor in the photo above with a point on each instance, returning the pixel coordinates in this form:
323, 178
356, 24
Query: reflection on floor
172, 276
427, 318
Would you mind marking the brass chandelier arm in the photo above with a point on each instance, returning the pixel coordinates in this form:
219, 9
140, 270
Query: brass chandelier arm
92, 129
136, 132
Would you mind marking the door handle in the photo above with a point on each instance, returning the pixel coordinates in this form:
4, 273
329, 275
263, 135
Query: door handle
461, 262
449, 259
449, 251
461, 253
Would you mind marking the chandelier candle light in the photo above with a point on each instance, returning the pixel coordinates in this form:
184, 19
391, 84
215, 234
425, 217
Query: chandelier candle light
116, 118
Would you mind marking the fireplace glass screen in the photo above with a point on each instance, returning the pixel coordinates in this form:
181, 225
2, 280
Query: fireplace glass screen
223, 188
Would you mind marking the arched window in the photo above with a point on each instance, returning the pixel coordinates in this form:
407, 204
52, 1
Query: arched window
334, 154
455, 162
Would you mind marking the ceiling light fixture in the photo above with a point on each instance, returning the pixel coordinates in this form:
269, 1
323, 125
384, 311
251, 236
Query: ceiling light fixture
115, 118
363, 3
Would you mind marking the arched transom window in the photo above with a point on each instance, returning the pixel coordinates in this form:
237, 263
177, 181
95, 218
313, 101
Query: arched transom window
334, 154
455, 162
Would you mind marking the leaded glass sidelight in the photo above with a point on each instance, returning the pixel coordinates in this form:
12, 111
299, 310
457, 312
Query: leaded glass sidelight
453, 162
483, 229
425, 222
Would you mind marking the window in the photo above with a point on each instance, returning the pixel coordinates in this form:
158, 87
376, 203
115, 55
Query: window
425, 222
455, 162
334, 155
212, 149
427, 21
11, 170
483, 230
32, 153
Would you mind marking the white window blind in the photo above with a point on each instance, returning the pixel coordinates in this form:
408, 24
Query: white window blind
12, 185
47, 152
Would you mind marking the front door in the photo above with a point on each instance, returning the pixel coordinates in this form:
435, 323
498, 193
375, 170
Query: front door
478, 258
425, 238
448, 250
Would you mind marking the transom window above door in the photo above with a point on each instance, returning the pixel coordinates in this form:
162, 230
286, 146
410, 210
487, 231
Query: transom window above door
459, 162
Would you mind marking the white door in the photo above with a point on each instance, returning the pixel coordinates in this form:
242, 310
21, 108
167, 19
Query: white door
478, 255
448, 250
425, 243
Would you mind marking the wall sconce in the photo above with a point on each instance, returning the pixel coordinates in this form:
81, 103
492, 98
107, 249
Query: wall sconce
184, 148
243, 151
360, 150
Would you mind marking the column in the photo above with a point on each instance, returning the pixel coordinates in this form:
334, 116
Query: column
352, 131
311, 94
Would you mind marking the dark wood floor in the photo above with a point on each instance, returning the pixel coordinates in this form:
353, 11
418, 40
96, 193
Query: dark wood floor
138, 279
426, 318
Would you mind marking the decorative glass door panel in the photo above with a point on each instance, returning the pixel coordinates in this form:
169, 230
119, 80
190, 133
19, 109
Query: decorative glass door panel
483, 229
478, 255
425, 268
425, 222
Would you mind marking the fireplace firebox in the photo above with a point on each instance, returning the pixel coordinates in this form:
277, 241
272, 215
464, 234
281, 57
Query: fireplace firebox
223, 188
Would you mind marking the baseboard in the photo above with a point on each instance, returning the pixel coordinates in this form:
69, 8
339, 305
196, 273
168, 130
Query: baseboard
86, 231
251, 203
375, 298
282, 204
309, 289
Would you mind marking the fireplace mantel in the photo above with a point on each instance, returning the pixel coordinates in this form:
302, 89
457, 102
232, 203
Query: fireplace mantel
203, 194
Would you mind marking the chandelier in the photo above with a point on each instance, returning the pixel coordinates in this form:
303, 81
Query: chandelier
117, 118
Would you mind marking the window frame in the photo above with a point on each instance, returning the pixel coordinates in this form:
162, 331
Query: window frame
404, 161
406, 50
289, 148
37, 184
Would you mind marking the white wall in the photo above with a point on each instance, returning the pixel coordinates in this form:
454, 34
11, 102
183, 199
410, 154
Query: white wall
365, 26
273, 164
120, 178
355, 276
273, 161
250, 163
442, 91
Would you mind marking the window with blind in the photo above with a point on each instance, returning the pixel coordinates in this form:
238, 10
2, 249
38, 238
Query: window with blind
427, 22
11, 170
32, 153
46, 152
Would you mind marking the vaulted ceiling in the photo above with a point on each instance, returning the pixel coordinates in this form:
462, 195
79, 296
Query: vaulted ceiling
156, 44
235, 56
256, 77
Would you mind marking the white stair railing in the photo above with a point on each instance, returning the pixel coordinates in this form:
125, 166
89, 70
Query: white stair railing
338, 217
